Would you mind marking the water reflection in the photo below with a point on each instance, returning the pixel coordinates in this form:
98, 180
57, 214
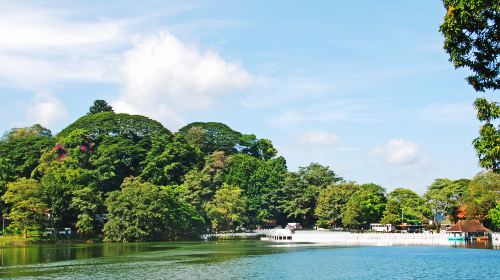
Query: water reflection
186, 260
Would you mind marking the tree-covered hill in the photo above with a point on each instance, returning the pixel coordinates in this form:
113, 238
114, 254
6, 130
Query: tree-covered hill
128, 178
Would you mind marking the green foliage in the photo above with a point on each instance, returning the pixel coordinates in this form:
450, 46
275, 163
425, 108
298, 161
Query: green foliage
115, 159
33, 131
6, 173
260, 181
495, 216
227, 208
28, 208
301, 189
365, 206
168, 162
482, 194
139, 129
332, 203
143, 211
470, 30
100, 106
404, 206
487, 145
200, 185
213, 137
23, 153
86, 202
443, 197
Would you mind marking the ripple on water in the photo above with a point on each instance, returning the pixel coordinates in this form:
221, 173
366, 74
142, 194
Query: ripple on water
256, 260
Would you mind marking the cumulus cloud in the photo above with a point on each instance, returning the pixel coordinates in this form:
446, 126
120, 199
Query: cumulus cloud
399, 152
163, 75
319, 138
46, 109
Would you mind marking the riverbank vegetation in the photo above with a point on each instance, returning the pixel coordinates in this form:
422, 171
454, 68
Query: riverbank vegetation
127, 178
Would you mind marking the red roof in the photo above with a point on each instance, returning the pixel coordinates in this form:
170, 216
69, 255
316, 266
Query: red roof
468, 226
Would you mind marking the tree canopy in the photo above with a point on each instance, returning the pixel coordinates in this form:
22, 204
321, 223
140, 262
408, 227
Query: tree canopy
100, 106
155, 185
471, 29
141, 211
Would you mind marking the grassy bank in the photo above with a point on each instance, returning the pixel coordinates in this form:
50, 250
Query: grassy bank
17, 240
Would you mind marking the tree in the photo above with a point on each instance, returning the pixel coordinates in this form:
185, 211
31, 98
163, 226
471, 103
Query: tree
495, 216
63, 170
260, 181
33, 131
404, 206
137, 128
216, 137
6, 172
167, 164
443, 197
23, 153
116, 145
301, 189
141, 211
487, 145
201, 185
332, 202
263, 149
27, 211
471, 29
481, 195
86, 202
365, 206
227, 209
100, 106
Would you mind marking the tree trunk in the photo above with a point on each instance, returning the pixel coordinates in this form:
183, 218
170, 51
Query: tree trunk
25, 232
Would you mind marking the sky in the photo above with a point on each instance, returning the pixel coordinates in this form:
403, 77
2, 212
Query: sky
363, 87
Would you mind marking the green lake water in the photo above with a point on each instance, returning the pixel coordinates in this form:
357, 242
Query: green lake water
245, 260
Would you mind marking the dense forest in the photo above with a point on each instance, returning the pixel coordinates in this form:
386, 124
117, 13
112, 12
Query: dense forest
128, 178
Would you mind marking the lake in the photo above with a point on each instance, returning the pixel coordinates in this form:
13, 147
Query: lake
245, 259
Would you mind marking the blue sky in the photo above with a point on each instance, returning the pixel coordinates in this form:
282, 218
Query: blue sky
363, 87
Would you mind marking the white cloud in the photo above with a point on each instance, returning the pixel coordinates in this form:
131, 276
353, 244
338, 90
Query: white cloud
452, 112
319, 138
399, 152
163, 76
39, 46
46, 109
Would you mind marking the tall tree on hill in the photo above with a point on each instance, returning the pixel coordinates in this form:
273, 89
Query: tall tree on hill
471, 29
100, 106
32, 131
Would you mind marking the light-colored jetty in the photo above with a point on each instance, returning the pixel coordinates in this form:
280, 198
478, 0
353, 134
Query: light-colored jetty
368, 239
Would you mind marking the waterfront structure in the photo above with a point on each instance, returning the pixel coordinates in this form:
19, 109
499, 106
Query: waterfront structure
468, 229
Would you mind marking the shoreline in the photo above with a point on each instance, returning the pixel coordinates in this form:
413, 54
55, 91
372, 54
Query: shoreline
368, 239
